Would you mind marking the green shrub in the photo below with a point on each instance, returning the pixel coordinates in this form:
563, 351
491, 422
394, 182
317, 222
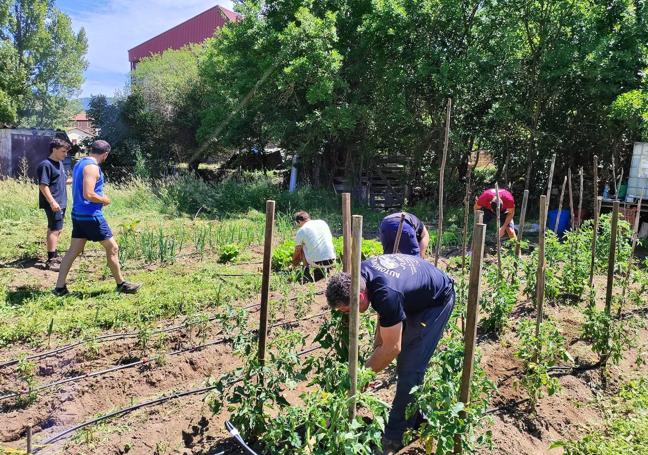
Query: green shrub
228, 253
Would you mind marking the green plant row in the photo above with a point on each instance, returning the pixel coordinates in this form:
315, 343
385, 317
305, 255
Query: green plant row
282, 253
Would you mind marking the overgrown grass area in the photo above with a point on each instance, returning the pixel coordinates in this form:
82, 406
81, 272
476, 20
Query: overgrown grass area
625, 430
180, 237
167, 292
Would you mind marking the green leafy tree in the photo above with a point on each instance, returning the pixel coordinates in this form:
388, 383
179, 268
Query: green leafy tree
352, 85
49, 54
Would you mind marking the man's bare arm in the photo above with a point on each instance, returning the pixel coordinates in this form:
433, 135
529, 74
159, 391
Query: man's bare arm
298, 255
388, 350
48, 196
90, 177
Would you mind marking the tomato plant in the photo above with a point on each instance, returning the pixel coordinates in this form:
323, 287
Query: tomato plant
609, 337
539, 354
498, 302
437, 399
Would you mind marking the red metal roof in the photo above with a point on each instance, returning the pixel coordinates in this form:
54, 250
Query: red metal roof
194, 30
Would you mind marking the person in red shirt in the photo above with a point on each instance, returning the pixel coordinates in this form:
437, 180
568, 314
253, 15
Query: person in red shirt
487, 202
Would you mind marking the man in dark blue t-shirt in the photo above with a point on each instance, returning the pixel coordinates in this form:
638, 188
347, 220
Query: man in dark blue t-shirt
414, 301
414, 237
52, 196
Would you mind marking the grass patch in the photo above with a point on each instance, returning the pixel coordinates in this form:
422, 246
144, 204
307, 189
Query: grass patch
625, 430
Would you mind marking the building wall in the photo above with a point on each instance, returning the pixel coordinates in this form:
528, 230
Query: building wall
23, 145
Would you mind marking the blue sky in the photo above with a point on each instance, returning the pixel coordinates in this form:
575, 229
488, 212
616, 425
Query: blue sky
114, 26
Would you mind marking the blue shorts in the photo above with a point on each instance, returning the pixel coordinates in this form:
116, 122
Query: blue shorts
93, 228
54, 219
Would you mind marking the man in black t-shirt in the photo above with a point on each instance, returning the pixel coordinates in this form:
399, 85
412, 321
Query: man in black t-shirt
414, 301
52, 196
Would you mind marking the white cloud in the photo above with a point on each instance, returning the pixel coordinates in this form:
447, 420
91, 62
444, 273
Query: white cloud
119, 25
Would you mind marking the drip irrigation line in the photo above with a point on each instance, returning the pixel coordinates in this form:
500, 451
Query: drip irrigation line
506, 406
119, 336
128, 410
111, 337
146, 360
239, 439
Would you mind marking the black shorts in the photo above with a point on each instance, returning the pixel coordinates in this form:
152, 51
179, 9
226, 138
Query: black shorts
93, 228
54, 219
490, 216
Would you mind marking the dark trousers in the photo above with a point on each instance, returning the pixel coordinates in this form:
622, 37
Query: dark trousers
421, 335
313, 274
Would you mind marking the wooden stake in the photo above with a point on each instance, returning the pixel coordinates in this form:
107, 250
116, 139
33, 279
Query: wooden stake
571, 198
560, 203
525, 201
29, 439
354, 314
399, 233
612, 257
446, 143
346, 232
265, 280
479, 216
464, 245
595, 225
550, 182
540, 274
472, 316
497, 232
580, 199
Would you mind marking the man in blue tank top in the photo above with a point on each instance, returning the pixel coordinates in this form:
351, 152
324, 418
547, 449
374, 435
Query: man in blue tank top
88, 222
414, 301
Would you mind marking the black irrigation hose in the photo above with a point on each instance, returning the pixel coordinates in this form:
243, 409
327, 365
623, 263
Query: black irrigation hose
506, 406
111, 337
145, 361
124, 411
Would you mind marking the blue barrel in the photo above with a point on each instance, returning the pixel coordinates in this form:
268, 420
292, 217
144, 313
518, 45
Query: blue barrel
564, 221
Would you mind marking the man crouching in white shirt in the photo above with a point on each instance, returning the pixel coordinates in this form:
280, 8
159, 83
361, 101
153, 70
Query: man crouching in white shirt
313, 247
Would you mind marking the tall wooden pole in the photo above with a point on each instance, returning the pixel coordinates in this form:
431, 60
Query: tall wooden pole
580, 198
265, 280
550, 182
612, 257
525, 201
354, 314
540, 274
346, 232
464, 245
596, 217
571, 198
497, 234
399, 233
472, 316
614, 179
446, 143
560, 203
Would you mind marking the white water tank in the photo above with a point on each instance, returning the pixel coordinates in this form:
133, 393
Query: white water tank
638, 180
